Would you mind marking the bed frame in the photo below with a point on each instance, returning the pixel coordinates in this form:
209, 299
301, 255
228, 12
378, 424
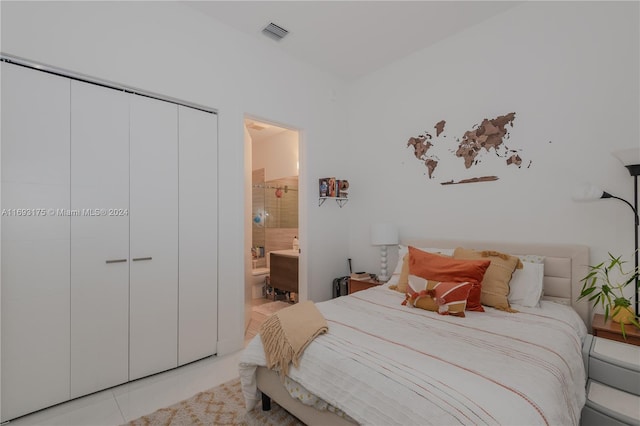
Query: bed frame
565, 265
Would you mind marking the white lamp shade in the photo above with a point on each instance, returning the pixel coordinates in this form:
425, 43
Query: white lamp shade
384, 234
587, 192
628, 157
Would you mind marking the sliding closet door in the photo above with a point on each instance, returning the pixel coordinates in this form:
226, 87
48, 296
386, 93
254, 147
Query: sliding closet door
99, 240
154, 237
35, 243
198, 300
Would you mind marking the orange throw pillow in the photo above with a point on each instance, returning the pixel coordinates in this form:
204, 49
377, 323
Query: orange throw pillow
439, 268
443, 268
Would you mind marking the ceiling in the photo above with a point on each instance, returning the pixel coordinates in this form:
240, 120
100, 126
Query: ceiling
260, 131
352, 38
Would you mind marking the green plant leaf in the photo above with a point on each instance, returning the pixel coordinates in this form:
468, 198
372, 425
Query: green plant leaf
586, 292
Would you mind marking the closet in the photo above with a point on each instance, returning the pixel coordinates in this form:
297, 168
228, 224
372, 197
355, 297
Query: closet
109, 237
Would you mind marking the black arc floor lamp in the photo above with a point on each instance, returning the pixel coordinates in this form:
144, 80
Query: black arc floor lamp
630, 158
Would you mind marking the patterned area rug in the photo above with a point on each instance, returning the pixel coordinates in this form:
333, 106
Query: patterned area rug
222, 405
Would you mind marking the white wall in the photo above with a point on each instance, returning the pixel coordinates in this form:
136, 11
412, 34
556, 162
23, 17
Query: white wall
277, 154
174, 50
570, 72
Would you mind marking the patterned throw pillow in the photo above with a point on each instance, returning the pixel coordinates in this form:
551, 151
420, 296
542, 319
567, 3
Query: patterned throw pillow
452, 297
425, 270
420, 294
445, 298
495, 283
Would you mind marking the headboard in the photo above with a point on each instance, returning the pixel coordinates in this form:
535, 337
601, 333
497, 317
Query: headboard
564, 266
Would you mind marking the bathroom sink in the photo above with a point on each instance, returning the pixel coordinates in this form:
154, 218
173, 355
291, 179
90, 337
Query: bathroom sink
288, 252
259, 271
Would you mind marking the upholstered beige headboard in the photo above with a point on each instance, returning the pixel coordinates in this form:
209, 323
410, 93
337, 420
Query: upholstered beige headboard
564, 266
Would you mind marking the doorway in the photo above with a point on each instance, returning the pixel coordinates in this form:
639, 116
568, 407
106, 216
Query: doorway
271, 207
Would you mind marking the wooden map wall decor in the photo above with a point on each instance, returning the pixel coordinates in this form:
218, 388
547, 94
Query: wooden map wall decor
474, 145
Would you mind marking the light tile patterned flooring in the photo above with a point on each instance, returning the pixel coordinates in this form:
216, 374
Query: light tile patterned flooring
129, 401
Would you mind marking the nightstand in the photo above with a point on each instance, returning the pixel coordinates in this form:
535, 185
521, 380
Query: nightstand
611, 330
613, 382
361, 284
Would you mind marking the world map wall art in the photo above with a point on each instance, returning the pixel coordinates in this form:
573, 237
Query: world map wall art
482, 143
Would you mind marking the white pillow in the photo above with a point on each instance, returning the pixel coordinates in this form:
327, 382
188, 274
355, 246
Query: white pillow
402, 250
525, 288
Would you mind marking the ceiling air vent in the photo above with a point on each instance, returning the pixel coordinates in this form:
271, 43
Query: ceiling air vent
274, 31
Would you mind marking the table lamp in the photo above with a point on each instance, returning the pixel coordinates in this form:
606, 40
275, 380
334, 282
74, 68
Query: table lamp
383, 235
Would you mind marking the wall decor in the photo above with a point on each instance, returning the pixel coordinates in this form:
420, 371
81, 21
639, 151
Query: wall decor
337, 189
483, 141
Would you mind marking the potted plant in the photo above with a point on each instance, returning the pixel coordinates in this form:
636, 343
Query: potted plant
604, 285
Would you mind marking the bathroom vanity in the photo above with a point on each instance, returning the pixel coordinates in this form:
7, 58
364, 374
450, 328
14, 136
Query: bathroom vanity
283, 270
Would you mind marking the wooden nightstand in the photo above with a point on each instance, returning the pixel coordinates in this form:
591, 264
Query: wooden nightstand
611, 330
361, 284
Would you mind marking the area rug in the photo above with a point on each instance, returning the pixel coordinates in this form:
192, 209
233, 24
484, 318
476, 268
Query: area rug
222, 405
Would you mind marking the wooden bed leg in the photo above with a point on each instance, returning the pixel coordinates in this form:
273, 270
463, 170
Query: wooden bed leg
266, 402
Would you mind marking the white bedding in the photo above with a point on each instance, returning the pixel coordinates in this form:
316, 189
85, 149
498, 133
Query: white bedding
383, 363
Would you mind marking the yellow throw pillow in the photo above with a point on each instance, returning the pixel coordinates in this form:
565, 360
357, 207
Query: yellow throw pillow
495, 284
404, 275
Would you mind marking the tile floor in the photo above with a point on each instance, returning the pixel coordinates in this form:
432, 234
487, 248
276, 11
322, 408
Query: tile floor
121, 404
129, 401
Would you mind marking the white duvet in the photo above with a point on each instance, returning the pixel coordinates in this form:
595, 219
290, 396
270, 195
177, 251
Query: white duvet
383, 363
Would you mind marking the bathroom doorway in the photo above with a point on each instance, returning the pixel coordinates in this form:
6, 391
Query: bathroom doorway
272, 204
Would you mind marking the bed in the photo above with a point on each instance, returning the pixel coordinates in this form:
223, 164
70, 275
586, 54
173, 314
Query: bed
384, 363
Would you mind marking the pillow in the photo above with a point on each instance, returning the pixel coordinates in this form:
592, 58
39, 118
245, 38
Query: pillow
402, 251
495, 284
445, 298
419, 294
442, 268
526, 283
452, 297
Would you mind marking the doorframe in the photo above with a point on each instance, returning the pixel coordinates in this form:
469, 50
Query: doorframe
302, 203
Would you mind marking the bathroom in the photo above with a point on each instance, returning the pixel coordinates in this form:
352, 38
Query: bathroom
274, 205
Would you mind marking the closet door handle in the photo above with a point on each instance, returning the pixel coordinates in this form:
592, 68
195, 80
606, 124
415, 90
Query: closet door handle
135, 259
116, 260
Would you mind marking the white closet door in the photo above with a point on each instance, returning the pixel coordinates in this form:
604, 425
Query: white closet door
154, 237
99, 243
35, 248
198, 282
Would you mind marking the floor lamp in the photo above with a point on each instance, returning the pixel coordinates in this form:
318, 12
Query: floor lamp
630, 158
383, 235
